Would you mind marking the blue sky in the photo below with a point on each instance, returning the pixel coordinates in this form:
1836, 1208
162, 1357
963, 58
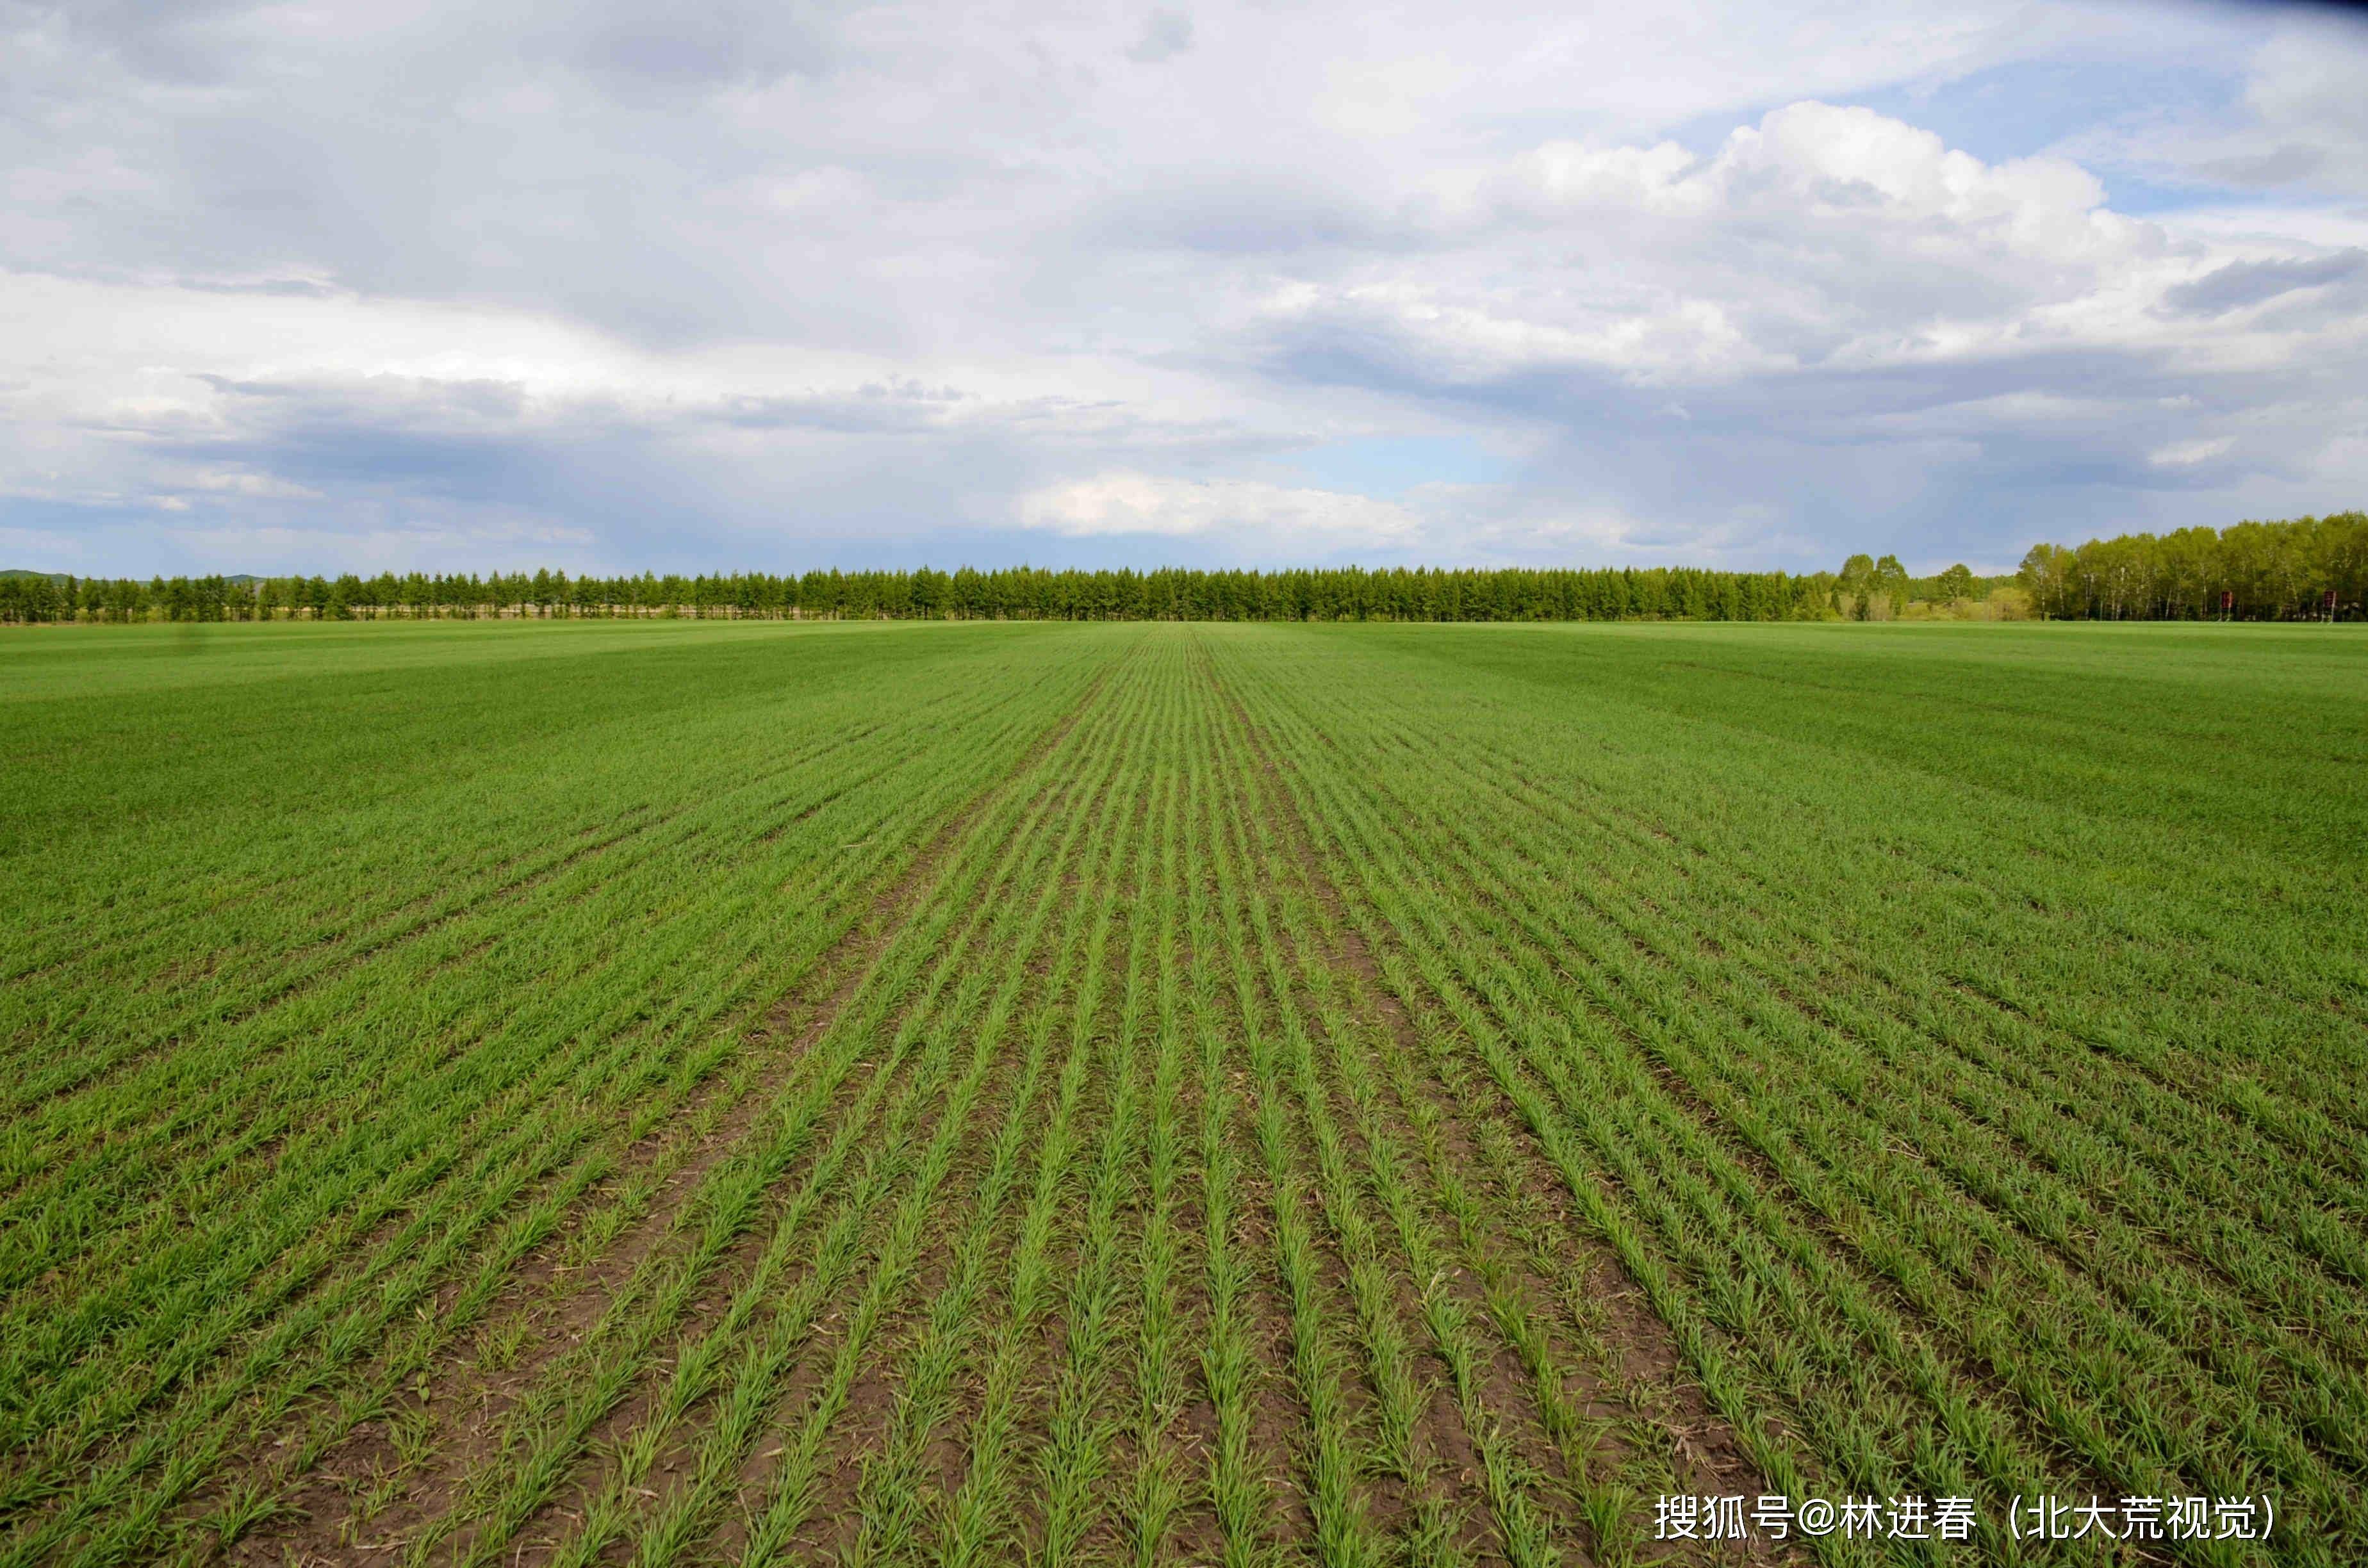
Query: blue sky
526, 283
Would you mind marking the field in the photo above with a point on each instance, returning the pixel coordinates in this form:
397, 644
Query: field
685, 1092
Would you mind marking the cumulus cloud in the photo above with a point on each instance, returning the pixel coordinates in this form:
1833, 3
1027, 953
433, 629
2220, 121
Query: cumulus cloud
1822, 235
525, 280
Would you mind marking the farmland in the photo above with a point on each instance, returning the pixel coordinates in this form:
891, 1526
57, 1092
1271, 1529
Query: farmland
673, 1092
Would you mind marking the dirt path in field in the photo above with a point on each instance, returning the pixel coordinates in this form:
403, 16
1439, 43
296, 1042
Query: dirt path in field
435, 1434
1639, 1413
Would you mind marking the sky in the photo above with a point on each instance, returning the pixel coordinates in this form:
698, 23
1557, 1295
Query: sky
718, 286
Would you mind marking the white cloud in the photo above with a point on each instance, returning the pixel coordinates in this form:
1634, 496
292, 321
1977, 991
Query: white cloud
1820, 235
2187, 454
252, 486
1277, 518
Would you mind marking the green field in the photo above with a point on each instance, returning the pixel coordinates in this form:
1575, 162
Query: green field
675, 1092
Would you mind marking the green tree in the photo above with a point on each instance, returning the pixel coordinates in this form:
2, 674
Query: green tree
1858, 585
1891, 584
2046, 576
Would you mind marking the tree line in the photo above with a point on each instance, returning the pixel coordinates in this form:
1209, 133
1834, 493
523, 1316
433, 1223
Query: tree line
925, 594
2302, 569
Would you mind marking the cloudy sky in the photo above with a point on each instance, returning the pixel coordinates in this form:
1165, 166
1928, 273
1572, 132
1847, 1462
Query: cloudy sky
323, 287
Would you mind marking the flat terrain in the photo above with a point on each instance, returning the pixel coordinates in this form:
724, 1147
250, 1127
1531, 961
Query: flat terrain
669, 1093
